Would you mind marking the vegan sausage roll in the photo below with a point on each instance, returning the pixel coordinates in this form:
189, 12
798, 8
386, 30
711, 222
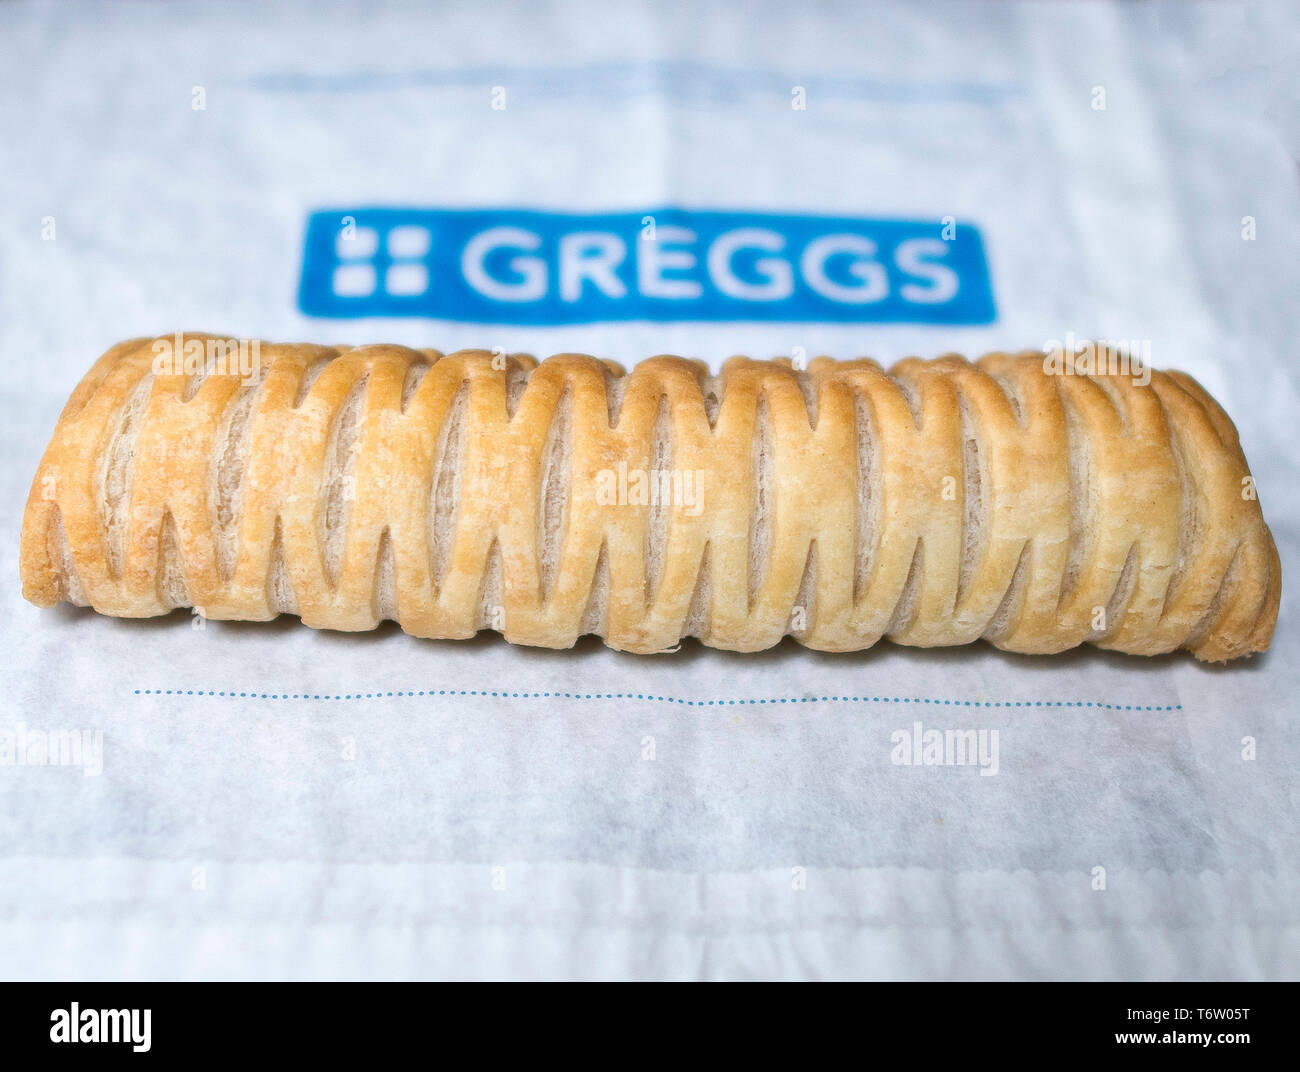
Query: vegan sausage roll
934, 503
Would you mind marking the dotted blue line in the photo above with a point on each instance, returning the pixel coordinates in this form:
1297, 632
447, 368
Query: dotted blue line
506, 694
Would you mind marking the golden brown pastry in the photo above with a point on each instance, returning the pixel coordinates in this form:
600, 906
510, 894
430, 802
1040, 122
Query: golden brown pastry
936, 503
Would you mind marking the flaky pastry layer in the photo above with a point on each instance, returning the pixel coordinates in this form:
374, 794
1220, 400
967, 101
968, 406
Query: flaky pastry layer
934, 504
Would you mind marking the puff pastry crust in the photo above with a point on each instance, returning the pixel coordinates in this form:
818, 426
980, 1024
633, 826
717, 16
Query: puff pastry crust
934, 503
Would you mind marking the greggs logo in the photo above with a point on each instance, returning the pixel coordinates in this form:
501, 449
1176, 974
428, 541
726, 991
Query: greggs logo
505, 266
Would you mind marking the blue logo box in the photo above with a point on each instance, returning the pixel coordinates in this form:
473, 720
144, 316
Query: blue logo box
518, 266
